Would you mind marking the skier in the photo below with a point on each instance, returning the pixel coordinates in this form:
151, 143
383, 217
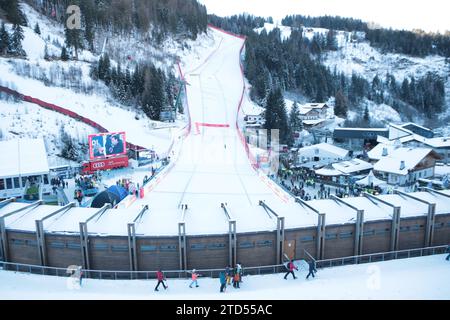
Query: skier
312, 269
291, 266
448, 251
160, 276
223, 282
194, 277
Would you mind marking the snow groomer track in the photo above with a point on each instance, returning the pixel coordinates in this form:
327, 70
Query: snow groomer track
212, 206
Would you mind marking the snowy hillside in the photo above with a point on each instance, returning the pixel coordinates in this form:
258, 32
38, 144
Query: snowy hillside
69, 85
415, 278
355, 55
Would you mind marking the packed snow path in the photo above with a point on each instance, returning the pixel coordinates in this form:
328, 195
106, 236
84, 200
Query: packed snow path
415, 278
212, 166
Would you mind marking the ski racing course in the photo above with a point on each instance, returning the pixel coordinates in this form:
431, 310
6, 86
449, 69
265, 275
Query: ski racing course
211, 206
213, 166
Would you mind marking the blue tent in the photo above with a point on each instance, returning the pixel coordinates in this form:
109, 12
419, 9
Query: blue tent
118, 191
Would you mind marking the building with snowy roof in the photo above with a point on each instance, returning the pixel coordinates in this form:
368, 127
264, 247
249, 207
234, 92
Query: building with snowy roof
359, 137
412, 135
23, 165
402, 166
322, 152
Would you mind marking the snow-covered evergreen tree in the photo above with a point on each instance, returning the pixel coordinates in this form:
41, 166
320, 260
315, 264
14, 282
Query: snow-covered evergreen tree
37, 29
5, 41
16, 41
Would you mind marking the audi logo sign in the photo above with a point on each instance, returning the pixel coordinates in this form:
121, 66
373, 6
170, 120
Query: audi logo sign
98, 165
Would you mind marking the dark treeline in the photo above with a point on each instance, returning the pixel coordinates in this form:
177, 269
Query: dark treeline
416, 43
10, 10
407, 42
176, 17
239, 24
327, 22
146, 88
427, 94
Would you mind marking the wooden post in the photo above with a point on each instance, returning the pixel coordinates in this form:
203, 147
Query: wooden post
320, 236
41, 242
182, 245
132, 247
280, 240
232, 242
395, 229
359, 233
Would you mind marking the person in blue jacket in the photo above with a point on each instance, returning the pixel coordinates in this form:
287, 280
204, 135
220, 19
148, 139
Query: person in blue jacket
223, 282
312, 269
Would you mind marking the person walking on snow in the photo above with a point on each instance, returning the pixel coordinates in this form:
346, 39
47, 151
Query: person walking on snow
194, 277
228, 274
223, 282
312, 269
448, 251
236, 278
160, 276
80, 275
291, 266
239, 270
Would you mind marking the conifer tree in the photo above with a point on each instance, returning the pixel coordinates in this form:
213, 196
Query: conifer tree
294, 118
16, 41
64, 54
341, 104
5, 41
37, 30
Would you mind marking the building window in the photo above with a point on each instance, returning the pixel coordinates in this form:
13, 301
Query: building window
2, 184
18, 242
344, 235
168, 248
369, 233
45, 179
100, 246
382, 231
119, 248
32, 243
264, 243
216, 246
331, 236
307, 239
9, 183
198, 246
73, 245
16, 183
246, 244
57, 244
148, 248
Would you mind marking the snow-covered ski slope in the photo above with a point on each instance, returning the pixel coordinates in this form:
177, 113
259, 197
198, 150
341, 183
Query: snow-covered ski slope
415, 278
212, 166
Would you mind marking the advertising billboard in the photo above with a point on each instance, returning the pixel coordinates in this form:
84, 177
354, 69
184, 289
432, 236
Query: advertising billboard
108, 144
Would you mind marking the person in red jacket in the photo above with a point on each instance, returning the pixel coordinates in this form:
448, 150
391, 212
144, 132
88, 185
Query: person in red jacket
160, 276
194, 276
291, 266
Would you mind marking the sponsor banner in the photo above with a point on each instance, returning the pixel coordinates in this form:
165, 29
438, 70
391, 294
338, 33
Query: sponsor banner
105, 145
